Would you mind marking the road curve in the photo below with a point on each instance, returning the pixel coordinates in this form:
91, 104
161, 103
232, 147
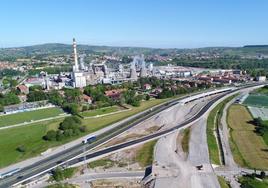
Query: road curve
53, 161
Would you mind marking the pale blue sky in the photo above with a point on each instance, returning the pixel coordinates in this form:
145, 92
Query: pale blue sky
150, 23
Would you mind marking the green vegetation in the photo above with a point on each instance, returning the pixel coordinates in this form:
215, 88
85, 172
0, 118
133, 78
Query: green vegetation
145, 155
106, 163
51, 70
22, 117
31, 136
100, 111
257, 100
62, 174
263, 90
248, 148
212, 124
59, 185
261, 128
185, 140
70, 127
9, 99
28, 136
9, 73
223, 182
252, 182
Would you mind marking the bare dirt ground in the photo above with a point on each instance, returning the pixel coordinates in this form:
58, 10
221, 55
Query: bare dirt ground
118, 183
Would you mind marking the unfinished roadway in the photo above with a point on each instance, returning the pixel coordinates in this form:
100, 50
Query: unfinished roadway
71, 154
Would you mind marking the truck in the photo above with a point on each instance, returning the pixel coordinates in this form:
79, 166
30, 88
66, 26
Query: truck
89, 139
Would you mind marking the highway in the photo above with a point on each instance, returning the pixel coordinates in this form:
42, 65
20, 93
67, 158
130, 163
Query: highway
70, 154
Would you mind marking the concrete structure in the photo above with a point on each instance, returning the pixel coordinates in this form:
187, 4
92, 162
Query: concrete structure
133, 73
261, 78
79, 80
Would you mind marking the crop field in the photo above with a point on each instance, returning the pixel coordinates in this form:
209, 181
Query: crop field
257, 100
12, 119
101, 111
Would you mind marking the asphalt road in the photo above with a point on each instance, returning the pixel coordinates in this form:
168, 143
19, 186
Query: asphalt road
70, 153
50, 162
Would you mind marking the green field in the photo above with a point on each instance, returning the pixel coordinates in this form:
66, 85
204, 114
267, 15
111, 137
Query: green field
100, 111
212, 123
22, 117
257, 100
248, 148
31, 135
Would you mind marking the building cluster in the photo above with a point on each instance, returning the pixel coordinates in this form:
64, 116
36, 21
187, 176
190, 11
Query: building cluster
224, 77
98, 72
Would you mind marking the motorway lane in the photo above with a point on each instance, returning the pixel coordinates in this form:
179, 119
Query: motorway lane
44, 165
149, 137
78, 149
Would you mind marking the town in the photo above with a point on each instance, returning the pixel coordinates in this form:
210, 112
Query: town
133, 94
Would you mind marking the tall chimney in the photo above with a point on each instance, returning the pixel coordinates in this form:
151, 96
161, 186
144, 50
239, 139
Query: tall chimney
76, 67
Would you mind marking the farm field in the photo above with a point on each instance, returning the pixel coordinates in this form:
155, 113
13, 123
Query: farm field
249, 149
101, 111
257, 100
12, 119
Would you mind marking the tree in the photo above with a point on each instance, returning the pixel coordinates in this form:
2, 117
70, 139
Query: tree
55, 98
51, 135
71, 108
36, 96
262, 175
9, 99
73, 95
13, 83
35, 88
72, 122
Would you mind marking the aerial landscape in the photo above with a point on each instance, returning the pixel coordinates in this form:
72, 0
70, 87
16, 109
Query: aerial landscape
133, 94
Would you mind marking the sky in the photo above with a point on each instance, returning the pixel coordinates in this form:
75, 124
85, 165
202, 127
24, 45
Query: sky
141, 23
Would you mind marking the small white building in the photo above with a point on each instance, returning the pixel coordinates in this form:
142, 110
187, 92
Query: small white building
261, 78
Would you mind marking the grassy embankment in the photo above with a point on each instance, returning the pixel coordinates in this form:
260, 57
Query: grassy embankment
223, 182
145, 155
31, 135
185, 140
101, 111
12, 119
251, 182
212, 122
62, 174
248, 148
63, 185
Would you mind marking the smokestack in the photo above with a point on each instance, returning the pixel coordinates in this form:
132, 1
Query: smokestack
143, 72
76, 67
133, 73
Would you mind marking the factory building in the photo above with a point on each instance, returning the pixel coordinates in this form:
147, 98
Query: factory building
79, 80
